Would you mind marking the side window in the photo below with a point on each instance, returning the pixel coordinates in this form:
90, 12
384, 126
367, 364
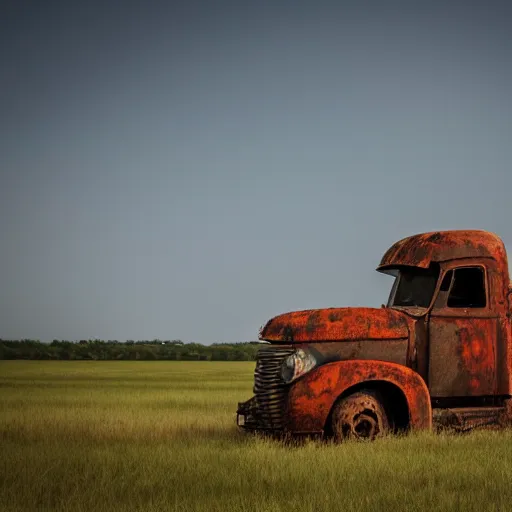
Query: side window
468, 288
444, 289
447, 281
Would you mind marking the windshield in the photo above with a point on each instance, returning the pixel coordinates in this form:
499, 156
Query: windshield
413, 287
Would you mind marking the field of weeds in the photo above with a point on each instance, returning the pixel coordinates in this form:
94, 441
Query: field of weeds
102, 436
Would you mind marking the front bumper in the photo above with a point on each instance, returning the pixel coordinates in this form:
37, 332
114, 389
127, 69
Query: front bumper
250, 416
246, 415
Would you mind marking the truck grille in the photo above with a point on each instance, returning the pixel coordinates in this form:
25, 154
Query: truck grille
269, 390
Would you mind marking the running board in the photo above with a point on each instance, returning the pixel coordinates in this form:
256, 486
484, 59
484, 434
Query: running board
463, 419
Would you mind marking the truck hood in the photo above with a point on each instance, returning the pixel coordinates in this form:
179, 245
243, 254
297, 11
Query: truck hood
336, 324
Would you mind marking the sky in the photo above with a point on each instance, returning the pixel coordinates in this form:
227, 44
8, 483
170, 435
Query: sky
187, 170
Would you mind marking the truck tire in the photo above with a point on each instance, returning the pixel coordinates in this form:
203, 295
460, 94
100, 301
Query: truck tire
359, 416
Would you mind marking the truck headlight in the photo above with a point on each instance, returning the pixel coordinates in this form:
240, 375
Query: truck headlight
296, 365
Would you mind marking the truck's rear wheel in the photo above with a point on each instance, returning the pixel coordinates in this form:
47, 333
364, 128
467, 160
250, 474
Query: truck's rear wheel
359, 416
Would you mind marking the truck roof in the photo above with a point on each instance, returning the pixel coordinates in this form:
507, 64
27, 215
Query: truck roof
423, 249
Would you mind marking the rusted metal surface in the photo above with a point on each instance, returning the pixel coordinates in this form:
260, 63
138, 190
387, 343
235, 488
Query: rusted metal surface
311, 399
470, 347
463, 419
336, 324
499, 303
392, 350
456, 356
462, 356
421, 250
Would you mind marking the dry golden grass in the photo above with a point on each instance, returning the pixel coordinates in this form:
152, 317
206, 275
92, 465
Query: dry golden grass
101, 436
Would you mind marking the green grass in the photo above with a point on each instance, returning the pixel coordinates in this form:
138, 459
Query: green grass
101, 436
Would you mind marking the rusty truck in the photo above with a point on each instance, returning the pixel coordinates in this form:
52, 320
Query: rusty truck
437, 354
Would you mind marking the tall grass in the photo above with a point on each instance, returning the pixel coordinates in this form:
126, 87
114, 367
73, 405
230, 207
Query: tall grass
94, 436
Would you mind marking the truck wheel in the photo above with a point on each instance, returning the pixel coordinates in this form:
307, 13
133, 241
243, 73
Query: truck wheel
359, 416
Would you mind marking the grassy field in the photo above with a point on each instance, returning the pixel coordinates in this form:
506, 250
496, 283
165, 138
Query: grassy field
101, 436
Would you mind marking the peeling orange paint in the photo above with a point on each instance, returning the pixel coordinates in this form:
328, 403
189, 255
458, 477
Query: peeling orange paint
311, 399
424, 354
337, 324
421, 250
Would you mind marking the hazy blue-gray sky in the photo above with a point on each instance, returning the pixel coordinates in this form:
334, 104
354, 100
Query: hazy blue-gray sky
189, 169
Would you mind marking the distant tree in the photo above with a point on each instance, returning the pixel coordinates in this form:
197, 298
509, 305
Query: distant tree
113, 350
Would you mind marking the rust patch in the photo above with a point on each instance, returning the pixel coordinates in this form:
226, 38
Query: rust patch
314, 322
460, 354
463, 356
392, 350
421, 250
334, 316
337, 324
311, 398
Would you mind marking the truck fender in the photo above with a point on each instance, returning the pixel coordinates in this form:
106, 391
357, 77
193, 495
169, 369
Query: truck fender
312, 397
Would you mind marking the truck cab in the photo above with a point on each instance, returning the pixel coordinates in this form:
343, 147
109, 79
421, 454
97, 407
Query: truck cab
438, 353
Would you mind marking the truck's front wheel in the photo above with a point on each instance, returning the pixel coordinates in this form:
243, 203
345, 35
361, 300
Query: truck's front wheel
359, 416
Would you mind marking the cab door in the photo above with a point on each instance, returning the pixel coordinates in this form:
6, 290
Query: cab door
462, 335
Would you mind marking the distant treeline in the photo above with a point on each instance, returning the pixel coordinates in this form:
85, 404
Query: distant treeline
174, 350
